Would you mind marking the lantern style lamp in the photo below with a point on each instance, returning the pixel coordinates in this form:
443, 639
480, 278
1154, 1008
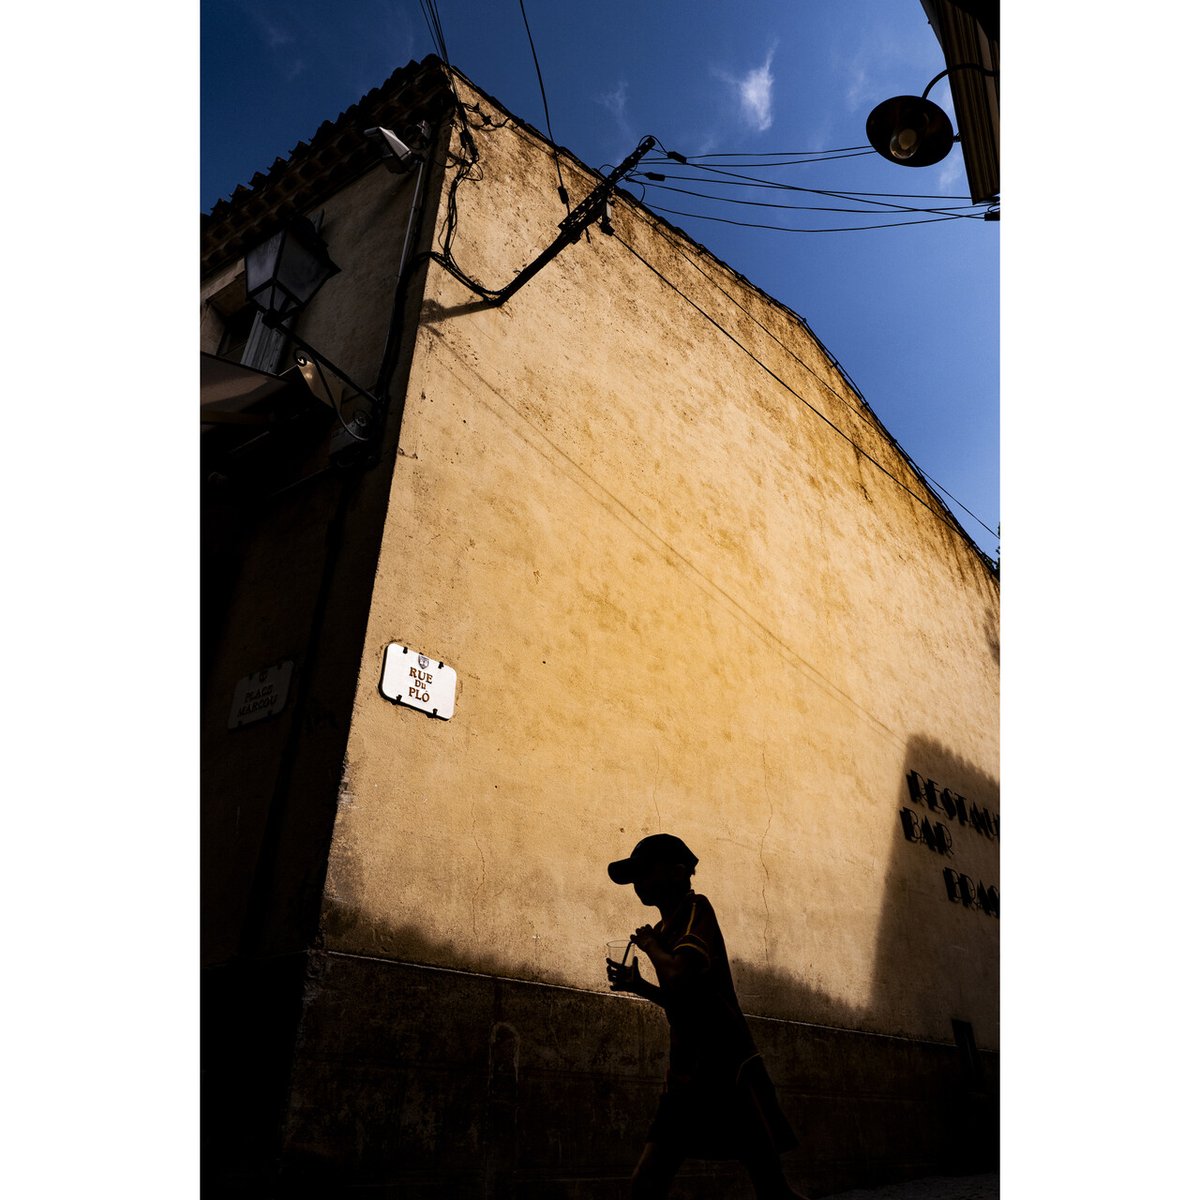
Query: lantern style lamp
286, 271
282, 276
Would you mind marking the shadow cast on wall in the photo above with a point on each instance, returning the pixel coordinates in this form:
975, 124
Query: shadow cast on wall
938, 953
418, 1067
931, 951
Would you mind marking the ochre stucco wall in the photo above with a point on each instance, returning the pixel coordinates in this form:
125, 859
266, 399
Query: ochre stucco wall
676, 599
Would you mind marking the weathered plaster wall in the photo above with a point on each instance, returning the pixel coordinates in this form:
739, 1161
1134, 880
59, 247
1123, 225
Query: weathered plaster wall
676, 599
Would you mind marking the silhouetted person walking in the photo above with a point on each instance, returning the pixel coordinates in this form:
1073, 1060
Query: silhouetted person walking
718, 1101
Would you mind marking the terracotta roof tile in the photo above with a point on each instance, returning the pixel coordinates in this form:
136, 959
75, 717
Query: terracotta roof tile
336, 153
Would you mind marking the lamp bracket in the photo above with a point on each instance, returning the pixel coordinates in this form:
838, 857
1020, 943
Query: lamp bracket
956, 67
321, 389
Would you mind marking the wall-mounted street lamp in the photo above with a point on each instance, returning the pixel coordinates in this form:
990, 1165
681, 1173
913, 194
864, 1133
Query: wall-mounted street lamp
283, 274
912, 131
287, 270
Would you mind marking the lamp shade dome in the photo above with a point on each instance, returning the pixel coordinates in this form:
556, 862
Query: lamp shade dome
910, 131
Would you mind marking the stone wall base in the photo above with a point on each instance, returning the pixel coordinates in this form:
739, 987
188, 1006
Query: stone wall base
412, 1082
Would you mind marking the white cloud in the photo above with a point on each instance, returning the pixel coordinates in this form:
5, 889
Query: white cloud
276, 36
272, 32
614, 101
951, 176
753, 92
859, 86
888, 60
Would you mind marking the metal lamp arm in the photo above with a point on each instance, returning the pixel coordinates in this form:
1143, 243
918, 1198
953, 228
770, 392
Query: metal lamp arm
956, 67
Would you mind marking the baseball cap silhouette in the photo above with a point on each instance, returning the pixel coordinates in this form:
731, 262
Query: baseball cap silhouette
657, 848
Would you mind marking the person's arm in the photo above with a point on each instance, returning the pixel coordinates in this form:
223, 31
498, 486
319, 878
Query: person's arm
672, 969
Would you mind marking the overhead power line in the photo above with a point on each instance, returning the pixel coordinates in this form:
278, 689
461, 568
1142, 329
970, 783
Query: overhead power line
769, 153
829, 156
792, 229
886, 201
775, 186
747, 181
663, 187
433, 22
562, 187
695, 179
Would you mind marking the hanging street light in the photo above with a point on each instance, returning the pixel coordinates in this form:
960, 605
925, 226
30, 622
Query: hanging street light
912, 131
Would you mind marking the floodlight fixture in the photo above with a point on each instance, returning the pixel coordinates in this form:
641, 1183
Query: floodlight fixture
400, 158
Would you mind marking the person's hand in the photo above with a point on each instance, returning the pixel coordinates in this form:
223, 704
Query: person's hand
643, 937
624, 978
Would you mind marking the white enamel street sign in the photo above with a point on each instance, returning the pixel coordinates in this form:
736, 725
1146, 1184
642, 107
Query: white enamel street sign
418, 681
262, 694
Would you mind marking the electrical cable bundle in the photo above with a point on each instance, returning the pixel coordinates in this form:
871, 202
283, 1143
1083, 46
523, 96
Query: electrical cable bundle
705, 181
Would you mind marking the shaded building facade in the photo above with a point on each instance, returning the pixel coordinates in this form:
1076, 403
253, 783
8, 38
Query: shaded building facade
657, 566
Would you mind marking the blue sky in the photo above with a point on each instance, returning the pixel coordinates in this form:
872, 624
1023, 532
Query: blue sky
911, 312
